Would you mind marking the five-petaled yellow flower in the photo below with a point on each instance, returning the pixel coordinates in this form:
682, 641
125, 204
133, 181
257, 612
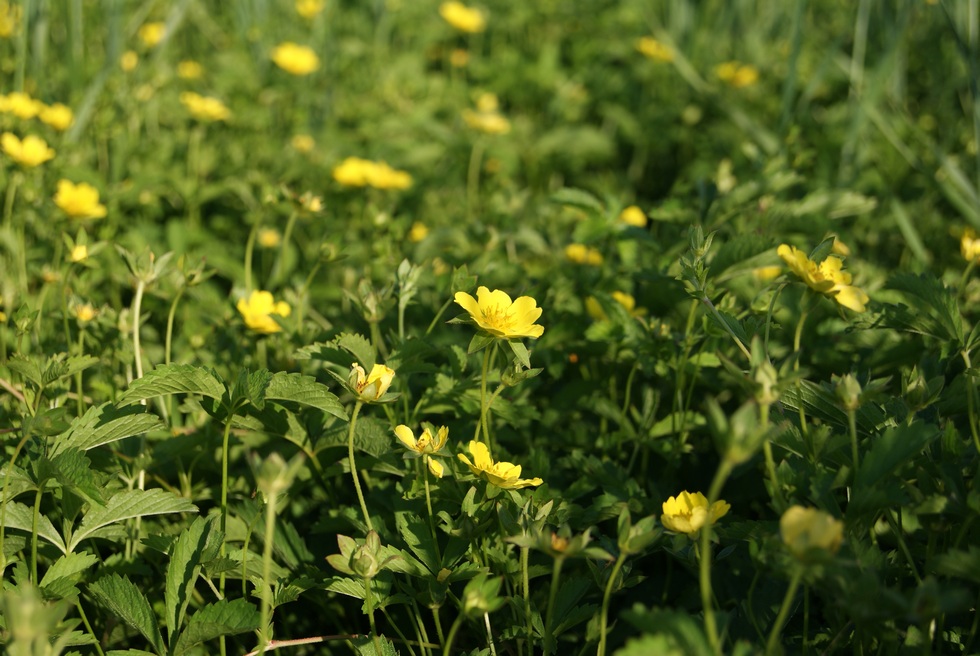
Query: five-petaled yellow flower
426, 445
687, 513
654, 49
204, 108
259, 309
30, 152
370, 386
79, 201
825, 277
504, 475
463, 18
494, 313
295, 59
810, 532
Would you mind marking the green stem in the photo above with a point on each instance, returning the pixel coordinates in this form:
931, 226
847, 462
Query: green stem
353, 467
852, 427
249, 254
777, 627
428, 506
16, 179
526, 580
265, 635
606, 596
137, 308
971, 402
724, 324
35, 518
369, 602
379, 342
770, 461
438, 622
435, 319
281, 259
194, 173
88, 626
797, 337
552, 596
473, 177
224, 496
710, 625
453, 630
401, 634
78, 375
488, 353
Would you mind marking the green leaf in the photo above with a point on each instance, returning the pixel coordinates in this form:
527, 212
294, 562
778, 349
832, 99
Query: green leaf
68, 567
415, 532
520, 352
932, 293
959, 563
182, 572
127, 505
18, 516
681, 631
173, 379
479, 342
889, 452
105, 424
128, 652
125, 600
304, 390
358, 346
578, 198
73, 470
70, 367
674, 422
218, 619
365, 646
26, 367
250, 386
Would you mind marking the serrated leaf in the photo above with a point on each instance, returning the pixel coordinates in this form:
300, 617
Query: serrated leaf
14, 482
68, 566
125, 600
73, 470
127, 505
304, 390
365, 646
26, 367
250, 386
182, 572
72, 366
889, 452
105, 424
173, 379
415, 532
358, 346
218, 619
931, 292
578, 198
18, 516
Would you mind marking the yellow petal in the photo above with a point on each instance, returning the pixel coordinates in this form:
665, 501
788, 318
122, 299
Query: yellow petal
405, 436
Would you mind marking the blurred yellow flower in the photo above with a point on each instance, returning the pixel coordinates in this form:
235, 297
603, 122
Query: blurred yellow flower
494, 313
808, 531
459, 58
687, 513
295, 59
370, 387
129, 60
303, 143
259, 309
633, 216
737, 74
426, 445
463, 18
487, 117
582, 254
418, 232
79, 201
595, 310
151, 34
654, 49
767, 273
970, 245
58, 116
30, 152
309, 8
79, 253
189, 69
840, 247
21, 105
504, 475
9, 18
269, 237
826, 277
84, 312
358, 172
204, 108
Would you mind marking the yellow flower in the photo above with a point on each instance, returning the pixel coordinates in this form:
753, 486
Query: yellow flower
654, 49
486, 118
204, 108
21, 105
425, 445
737, 74
767, 273
826, 277
459, 58
494, 313
970, 245
189, 70
382, 176
129, 60
58, 116
295, 59
9, 18
269, 237
418, 232
85, 312
79, 201
79, 253
463, 18
370, 387
633, 216
30, 152
808, 531
151, 34
352, 172
309, 9
259, 309
358, 172
582, 254
303, 143
504, 475
595, 310
687, 513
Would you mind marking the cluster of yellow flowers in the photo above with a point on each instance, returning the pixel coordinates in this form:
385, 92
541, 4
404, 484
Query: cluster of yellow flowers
582, 254
358, 172
737, 74
204, 108
463, 18
258, 310
23, 106
655, 50
295, 59
487, 117
825, 277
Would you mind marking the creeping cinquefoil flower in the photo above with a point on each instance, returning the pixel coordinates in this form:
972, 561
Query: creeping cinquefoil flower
295, 59
79, 201
258, 310
825, 277
494, 313
687, 513
370, 386
425, 445
30, 152
504, 475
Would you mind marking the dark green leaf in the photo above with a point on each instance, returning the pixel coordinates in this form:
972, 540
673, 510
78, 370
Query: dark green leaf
173, 379
105, 424
304, 390
218, 619
125, 600
182, 572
